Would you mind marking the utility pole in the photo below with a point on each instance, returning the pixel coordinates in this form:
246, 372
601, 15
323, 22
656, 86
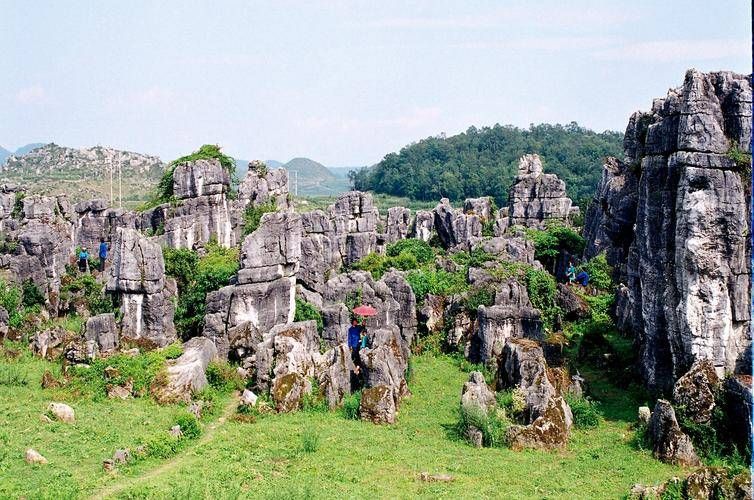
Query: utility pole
111, 182
120, 185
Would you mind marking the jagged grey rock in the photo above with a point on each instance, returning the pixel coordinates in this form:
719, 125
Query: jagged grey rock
512, 316
137, 277
62, 412
187, 374
262, 185
610, 218
454, 227
398, 224
334, 374
355, 220
536, 197
424, 225
102, 330
523, 366
696, 390
476, 392
687, 293
669, 443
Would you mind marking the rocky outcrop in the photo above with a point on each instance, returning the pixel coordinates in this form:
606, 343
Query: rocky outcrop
398, 224
669, 443
137, 278
511, 317
334, 374
424, 225
696, 391
187, 374
688, 267
286, 349
264, 295
355, 220
547, 419
102, 331
454, 227
263, 185
610, 218
476, 396
536, 197
94, 220
320, 252
738, 400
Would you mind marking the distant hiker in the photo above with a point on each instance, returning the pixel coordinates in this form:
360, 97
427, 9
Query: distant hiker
354, 343
102, 254
83, 260
571, 272
582, 278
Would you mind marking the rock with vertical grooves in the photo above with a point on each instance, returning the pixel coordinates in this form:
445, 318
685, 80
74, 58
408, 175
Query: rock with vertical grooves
536, 197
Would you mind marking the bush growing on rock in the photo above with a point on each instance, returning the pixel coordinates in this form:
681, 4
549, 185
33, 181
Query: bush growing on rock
189, 426
91, 291
420, 249
32, 296
306, 311
223, 377
489, 423
10, 300
252, 216
541, 287
435, 281
554, 239
378, 265
196, 277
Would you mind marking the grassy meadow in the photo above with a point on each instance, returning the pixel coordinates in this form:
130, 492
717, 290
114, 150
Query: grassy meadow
309, 454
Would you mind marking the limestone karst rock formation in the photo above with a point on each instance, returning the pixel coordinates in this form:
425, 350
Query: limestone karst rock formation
536, 197
687, 272
137, 278
264, 295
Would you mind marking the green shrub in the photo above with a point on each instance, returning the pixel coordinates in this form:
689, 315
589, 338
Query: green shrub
474, 258
314, 402
351, 405
513, 401
181, 264
212, 272
18, 205
163, 446
553, 240
491, 425
600, 272
309, 440
467, 366
306, 311
418, 248
476, 297
435, 281
377, 264
10, 300
92, 291
140, 369
541, 287
252, 216
223, 377
31, 294
586, 413
189, 426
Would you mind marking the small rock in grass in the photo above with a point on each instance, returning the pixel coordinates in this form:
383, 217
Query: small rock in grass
134, 351
111, 372
108, 464
644, 414
427, 477
62, 412
176, 431
121, 456
248, 398
242, 372
33, 457
195, 408
48, 380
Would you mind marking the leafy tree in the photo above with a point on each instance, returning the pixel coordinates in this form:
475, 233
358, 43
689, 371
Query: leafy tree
484, 162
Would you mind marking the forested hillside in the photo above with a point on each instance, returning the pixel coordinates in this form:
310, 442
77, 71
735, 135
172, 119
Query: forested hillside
483, 162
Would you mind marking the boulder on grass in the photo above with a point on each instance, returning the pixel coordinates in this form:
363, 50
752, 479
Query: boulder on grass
669, 443
378, 405
186, 374
550, 430
288, 391
34, 457
62, 412
696, 391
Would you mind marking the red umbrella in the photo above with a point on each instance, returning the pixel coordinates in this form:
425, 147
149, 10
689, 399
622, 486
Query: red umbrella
365, 310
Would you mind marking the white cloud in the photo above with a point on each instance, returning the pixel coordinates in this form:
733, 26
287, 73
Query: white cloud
30, 95
546, 44
677, 50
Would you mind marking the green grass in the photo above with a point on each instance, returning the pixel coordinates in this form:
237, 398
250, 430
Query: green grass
266, 459
306, 454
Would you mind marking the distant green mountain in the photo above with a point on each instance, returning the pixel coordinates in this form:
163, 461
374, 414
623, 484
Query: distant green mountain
310, 178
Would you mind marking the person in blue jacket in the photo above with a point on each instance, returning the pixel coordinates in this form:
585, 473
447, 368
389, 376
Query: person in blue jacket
84, 260
102, 254
354, 343
582, 278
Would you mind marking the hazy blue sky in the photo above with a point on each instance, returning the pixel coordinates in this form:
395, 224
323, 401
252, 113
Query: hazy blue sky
343, 82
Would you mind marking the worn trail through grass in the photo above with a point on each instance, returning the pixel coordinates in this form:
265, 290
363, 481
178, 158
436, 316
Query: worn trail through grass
184, 457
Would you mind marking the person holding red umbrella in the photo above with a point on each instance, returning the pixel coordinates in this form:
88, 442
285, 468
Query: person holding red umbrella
356, 333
